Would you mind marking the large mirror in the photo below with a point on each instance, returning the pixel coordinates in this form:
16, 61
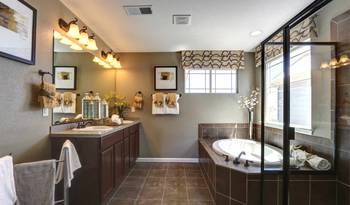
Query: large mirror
75, 74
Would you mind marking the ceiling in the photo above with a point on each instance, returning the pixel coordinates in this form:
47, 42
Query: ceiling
216, 25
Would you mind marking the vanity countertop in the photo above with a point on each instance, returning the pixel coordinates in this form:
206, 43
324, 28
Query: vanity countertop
93, 134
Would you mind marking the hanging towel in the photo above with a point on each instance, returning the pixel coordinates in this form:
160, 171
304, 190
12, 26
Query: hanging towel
67, 103
7, 183
71, 161
172, 106
319, 163
157, 100
35, 182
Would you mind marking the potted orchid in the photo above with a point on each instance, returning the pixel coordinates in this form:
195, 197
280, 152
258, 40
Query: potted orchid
249, 103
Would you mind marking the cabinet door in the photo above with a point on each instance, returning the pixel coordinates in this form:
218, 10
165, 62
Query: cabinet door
118, 163
126, 155
132, 150
107, 172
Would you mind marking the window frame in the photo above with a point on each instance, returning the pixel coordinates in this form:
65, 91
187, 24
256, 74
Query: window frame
210, 87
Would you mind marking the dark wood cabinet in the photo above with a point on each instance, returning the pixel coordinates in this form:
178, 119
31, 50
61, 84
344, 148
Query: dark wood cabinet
107, 172
118, 163
105, 162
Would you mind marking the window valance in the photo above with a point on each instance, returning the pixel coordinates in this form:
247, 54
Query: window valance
220, 60
300, 33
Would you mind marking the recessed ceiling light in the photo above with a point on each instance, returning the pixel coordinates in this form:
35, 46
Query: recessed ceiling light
255, 33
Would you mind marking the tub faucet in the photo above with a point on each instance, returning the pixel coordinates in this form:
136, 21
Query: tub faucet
236, 160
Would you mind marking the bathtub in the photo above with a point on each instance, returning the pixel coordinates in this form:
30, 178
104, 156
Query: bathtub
233, 147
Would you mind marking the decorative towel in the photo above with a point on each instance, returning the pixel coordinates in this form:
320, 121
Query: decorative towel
172, 106
67, 103
171, 100
319, 163
71, 159
158, 99
7, 183
300, 157
48, 88
35, 182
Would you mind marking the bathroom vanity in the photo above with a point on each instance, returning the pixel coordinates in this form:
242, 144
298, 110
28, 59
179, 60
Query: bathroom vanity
106, 158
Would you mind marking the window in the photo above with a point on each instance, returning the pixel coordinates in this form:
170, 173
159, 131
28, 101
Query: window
210, 81
300, 89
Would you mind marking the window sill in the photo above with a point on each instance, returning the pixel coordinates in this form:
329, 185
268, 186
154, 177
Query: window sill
305, 131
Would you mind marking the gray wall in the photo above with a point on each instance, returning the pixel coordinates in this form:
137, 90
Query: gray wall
176, 136
24, 132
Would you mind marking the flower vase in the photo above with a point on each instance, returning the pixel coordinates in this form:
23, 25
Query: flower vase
250, 122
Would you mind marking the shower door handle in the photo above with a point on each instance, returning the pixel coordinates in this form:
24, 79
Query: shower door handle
291, 133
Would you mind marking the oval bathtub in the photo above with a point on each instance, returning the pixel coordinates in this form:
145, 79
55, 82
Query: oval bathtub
252, 149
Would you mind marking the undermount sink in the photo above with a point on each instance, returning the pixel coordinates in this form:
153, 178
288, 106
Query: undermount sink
93, 129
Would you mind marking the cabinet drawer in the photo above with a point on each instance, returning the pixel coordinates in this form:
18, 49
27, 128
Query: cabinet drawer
134, 128
111, 139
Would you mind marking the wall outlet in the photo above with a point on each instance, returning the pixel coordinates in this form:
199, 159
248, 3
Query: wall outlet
45, 112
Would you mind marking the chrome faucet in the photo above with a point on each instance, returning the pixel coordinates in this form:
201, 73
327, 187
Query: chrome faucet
236, 160
83, 124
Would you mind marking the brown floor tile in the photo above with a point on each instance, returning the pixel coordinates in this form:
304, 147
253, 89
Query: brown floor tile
157, 173
142, 165
160, 165
176, 166
175, 173
127, 193
195, 182
193, 173
201, 194
155, 182
151, 193
121, 202
175, 181
134, 181
139, 173
175, 193
201, 203
175, 202
148, 202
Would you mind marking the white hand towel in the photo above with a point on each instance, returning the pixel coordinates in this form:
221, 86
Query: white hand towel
71, 160
319, 163
173, 110
157, 110
7, 183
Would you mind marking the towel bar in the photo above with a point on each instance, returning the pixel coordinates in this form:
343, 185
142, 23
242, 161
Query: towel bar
180, 95
65, 199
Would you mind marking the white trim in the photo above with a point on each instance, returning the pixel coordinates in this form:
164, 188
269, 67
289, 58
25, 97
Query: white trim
184, 160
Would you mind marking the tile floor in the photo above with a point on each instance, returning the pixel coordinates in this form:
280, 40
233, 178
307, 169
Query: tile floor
163, 184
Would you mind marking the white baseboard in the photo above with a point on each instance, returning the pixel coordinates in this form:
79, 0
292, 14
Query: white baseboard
184, 160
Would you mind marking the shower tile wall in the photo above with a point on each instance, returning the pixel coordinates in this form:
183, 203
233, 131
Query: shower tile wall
340, 32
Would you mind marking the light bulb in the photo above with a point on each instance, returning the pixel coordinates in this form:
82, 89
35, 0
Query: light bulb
117, 64
109, 58
76, 47
107, 66
101, 63
84, 38
57, 35
92, 44
73, 31
324, 65
344, 60
333, 63
96, 59
66, 41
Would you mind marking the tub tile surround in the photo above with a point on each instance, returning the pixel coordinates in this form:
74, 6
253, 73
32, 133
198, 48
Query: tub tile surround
340, 30
236, 184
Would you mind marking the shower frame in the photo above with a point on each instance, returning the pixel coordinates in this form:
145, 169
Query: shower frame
288, 132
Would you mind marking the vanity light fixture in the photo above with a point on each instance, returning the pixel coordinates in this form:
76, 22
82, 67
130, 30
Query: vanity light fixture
92, 43
84, 36
57, 35
66, 41
71, 28
334, 63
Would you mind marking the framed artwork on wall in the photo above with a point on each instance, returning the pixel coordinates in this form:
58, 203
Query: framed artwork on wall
65, 77
17, 31
165, 77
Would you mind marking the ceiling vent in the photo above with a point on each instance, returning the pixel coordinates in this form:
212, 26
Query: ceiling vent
138, 10
182, 19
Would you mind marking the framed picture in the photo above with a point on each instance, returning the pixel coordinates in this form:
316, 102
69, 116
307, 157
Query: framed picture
65, 77
165, 77
17, 31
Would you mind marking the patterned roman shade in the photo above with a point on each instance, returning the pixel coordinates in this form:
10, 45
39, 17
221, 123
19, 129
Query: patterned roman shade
303, 31
219, 60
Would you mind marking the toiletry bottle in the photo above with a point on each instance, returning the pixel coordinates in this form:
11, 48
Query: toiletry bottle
85, 106
96, 107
